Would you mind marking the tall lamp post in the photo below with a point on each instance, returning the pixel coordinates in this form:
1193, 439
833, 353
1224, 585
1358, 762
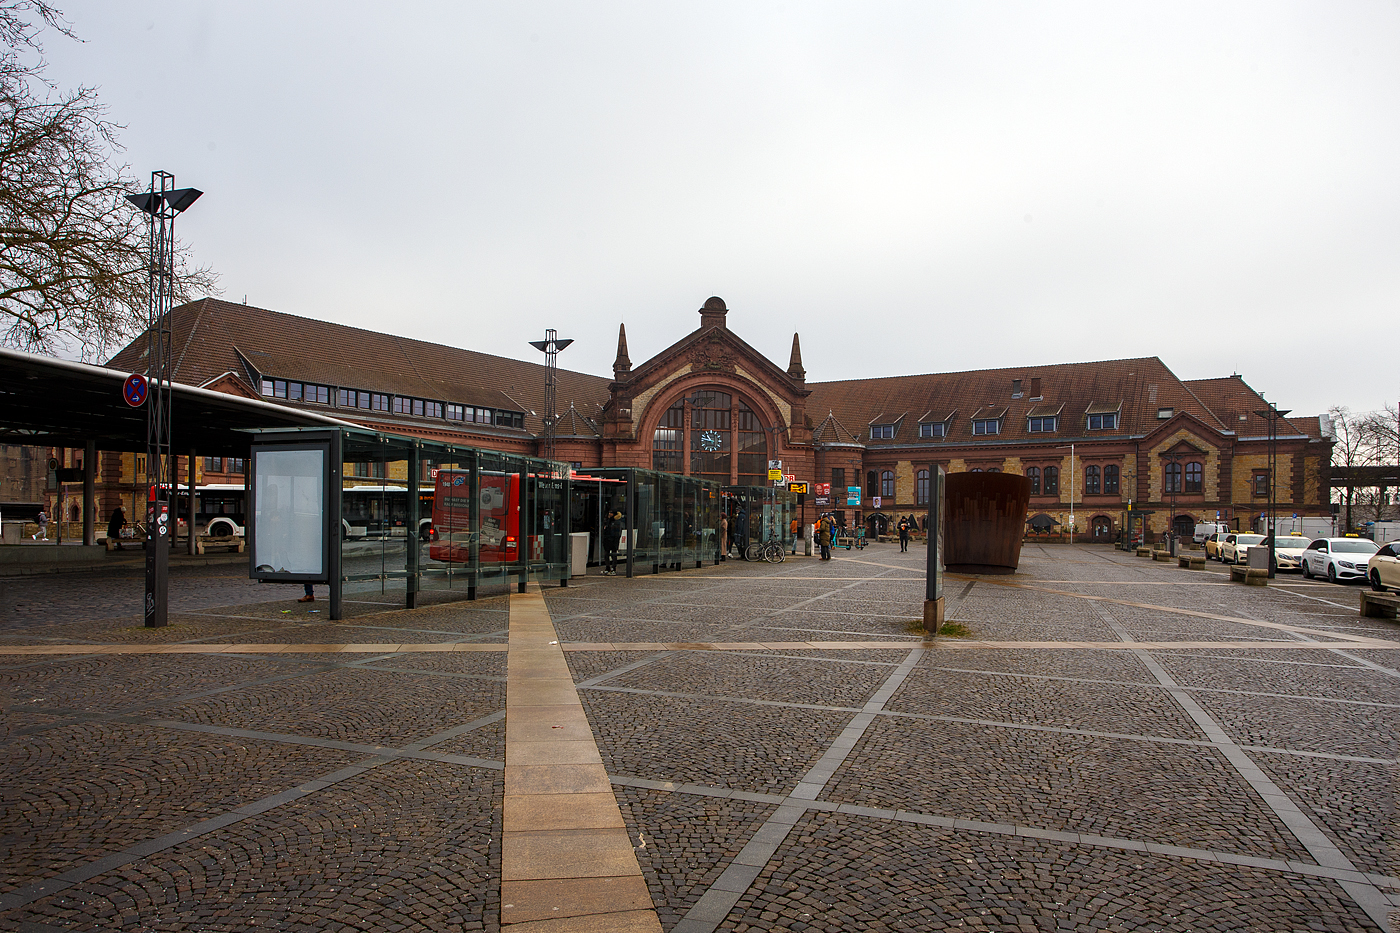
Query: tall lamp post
162, 204
1175, 484
550, 346
1271, 415
1071, 489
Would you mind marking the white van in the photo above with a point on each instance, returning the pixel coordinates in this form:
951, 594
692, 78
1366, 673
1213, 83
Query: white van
1206, 529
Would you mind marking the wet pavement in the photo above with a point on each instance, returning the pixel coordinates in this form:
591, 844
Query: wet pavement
1116, 744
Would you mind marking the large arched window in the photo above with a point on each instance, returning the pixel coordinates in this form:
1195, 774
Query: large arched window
921, 487
1193, 477
1052, 481
1033, 474
872, 484
1091, 480
712, 435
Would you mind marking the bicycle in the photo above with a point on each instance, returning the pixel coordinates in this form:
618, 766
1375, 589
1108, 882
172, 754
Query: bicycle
771, 551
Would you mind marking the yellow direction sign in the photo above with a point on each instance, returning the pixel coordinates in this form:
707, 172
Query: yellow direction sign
775, 474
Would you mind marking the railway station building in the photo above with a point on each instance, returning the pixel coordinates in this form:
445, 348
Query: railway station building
1098, 440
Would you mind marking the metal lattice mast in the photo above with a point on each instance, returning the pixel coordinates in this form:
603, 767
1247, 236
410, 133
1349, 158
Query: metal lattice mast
550, 346
162, 203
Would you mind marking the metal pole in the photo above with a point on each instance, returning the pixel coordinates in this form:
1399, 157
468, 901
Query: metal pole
89, 502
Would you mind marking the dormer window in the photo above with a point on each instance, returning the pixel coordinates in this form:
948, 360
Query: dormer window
1104, 422
881, 432
1016, 388
1042, 425
934, 429
986, 426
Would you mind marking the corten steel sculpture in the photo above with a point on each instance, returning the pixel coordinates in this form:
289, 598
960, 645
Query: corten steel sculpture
983, 519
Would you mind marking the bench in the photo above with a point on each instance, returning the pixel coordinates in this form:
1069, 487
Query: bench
1191, 561
1250, 576
203, 542
1144, 552
1379, 605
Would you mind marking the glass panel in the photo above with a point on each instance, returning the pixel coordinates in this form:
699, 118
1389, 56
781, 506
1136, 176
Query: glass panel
290, 520
753, 448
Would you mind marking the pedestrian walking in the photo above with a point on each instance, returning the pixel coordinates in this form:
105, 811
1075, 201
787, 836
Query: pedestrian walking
42, 520
115, 524
824, 537
724, 537
612, 539
903, 535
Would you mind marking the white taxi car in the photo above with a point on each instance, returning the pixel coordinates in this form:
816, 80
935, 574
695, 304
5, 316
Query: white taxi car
1338, 559
1288, 551
1383, 569
1235, 548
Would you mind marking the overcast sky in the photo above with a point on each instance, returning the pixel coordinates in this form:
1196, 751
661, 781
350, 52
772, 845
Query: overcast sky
914, 187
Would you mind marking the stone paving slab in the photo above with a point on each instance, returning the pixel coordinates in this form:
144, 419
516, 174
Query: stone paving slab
1232, 769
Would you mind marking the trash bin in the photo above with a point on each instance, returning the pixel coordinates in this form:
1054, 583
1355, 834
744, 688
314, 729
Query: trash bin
578, 553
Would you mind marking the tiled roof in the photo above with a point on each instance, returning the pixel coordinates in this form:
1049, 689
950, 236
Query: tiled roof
572, 423
1235, 403
209, 335
1144, 385
832, 431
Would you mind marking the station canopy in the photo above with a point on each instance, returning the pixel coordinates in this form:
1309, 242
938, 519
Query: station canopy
48, 402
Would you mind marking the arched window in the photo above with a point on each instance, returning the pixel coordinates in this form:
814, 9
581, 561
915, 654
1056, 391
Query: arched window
1033, 474
1193, 477
1110, 480
1052, 481
1091, 481
666, 440
1171, 478
872, 485
921, 487
887, 484
752, 441
711, 436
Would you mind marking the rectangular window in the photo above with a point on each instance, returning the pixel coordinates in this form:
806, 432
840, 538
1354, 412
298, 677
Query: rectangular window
454, 412
986, 426
483, 415
1110, 480
1261, 485
213, 464
1106, 422
934, 429
838, 478
881, 431
345, 398
235, 465
379, 402
1042, 425
267, 387
401, 405
314, 393
432, 409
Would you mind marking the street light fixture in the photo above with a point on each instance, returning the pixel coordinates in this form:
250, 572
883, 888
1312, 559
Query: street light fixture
1071, 489
550, 347
1271, 415
162, 203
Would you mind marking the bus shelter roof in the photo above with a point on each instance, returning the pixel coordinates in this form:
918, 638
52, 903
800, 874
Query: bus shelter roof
48, 402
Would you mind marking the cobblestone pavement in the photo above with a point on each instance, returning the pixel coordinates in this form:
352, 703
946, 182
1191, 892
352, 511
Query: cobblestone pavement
1118, 744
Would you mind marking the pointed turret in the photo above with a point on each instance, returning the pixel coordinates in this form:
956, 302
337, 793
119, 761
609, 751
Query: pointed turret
795, 369
623, 363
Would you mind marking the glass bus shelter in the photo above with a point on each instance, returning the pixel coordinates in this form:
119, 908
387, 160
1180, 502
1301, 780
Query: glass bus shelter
670, 521
385, 518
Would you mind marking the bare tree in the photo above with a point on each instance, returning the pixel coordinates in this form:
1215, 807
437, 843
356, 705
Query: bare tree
1351, 448
73, 263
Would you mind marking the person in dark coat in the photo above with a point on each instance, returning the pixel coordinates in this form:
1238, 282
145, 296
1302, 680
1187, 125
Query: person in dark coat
115, 524
612, 538
903, 534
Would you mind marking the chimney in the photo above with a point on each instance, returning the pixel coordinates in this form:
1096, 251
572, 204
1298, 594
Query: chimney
1035, 387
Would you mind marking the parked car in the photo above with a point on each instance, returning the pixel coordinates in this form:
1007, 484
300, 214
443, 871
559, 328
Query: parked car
1288, 551
1338, 559
1383, 569
1213, 545
1204, 530
1235, 548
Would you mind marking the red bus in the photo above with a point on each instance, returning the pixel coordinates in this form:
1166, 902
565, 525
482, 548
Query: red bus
499, 498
